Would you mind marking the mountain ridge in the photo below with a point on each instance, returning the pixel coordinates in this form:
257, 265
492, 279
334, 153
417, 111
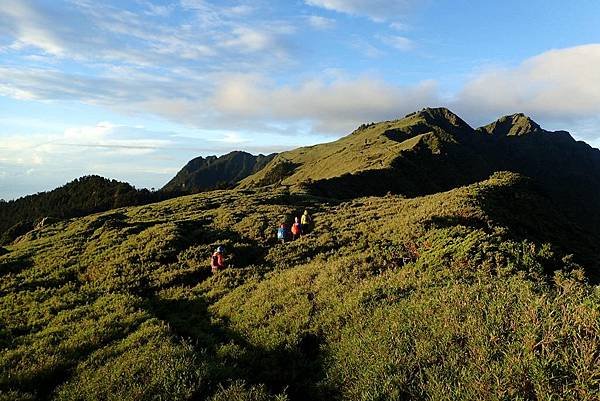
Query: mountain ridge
427, 151
212, 172
434, 150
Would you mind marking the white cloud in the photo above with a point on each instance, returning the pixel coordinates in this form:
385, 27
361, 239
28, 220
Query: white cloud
179, 71
163, 76
248, 40
38, 161
319, 22
104, 139
366, 48
378, 10
557, 87
28, 25
241, 10
398, 42
89, 133
96, 33
399, 26
557, 84
233, 138
156, 9
332, 107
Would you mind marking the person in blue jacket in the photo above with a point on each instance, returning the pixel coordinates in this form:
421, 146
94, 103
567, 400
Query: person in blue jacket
282, 233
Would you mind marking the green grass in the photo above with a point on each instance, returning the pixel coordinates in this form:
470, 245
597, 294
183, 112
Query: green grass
448, 296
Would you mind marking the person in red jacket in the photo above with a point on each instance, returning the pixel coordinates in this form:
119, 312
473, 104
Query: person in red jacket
296, 229
217, 261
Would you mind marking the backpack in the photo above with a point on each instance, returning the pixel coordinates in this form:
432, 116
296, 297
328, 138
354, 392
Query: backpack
214, 260
305, 220
281, 233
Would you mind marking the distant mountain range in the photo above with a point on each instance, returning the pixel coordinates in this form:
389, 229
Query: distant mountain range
429, 151
212, 172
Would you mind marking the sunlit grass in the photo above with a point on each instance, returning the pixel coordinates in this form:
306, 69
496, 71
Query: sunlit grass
448, 296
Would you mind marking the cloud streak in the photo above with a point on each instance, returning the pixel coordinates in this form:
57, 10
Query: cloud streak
93, 32
377, 10
401, 43
320, 22
330, 107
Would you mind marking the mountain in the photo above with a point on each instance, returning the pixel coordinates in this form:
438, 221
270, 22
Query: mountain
515, 125
459, 295
212, 172
427, 274
371, 148
82, 196
434, 150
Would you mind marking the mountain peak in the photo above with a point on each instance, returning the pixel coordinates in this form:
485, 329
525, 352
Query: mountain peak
443, 118
440, 113
514, 125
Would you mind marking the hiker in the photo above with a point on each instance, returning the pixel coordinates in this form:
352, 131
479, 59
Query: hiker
217, 261
305, 221
296, 229
282, 233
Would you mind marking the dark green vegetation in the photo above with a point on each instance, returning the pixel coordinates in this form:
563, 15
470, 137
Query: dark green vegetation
212, 172
462, 295
79, 197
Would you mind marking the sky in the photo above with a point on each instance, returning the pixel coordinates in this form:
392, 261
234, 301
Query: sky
132, 90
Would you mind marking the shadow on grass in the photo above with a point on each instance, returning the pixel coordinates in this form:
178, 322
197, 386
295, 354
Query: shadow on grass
11, 265
294, 369
300, 200
530, 214
453, 221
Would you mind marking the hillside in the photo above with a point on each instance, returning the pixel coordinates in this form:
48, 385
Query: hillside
372, 148
212, 172
434, 150
460, 295
79, 197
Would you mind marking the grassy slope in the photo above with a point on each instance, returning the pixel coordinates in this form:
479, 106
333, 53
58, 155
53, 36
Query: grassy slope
438, 297
365, 149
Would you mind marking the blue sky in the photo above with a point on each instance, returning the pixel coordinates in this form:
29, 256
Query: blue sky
134, 89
